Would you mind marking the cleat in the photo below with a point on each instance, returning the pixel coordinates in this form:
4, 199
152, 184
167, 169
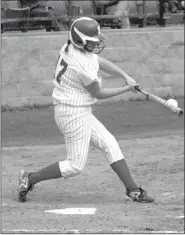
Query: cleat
139, 195
24, 186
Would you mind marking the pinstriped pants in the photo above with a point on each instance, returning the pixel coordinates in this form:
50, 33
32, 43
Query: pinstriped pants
80, 129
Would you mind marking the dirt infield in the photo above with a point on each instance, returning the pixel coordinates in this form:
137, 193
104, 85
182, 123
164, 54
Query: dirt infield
152, 140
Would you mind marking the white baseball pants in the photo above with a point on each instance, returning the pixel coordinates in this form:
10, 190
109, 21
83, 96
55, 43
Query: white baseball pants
80, 129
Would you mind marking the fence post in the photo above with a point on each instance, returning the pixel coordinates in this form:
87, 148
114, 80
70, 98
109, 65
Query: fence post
69, 13
144, 13
162, 21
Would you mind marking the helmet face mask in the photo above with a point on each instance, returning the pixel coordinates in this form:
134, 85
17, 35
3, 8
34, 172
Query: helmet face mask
85, 35
94, 47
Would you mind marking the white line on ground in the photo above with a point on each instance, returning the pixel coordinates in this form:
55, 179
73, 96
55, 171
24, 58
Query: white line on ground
169, 194
174, 232
180, 217
130, 231
8, 205
166, 194
73, 211
87, 231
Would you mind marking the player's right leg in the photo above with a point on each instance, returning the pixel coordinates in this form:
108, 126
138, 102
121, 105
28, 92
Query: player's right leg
75, 124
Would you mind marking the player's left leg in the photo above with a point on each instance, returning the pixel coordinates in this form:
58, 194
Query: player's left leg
102, 139
27, 180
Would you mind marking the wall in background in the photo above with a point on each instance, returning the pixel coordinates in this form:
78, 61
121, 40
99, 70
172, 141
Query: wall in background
153, 57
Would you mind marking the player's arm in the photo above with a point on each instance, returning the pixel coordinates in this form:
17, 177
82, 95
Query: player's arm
110, 68
104, 93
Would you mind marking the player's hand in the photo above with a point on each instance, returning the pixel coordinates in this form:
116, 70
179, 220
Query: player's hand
132, 87
131, 82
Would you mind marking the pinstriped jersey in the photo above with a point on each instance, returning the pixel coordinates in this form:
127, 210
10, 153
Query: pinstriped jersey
75, 70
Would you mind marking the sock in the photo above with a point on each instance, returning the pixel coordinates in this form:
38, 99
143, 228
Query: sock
47, 173
122, 170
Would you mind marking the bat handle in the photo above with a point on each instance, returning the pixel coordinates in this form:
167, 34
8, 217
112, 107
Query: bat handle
141, 91
137, 88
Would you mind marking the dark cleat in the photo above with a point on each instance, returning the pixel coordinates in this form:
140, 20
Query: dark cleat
139, 195
24, 186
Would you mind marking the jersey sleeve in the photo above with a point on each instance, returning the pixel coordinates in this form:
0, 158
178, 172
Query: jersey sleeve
63, 48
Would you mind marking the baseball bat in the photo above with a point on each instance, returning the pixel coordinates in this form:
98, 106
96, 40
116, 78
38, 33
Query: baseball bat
159, 100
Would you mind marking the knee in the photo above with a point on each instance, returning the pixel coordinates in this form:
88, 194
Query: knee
68, 169
111, 143
112, 150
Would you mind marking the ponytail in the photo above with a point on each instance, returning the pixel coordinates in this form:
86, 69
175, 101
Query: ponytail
67, 47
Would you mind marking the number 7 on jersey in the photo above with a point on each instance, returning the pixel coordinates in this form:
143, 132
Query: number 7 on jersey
61, 69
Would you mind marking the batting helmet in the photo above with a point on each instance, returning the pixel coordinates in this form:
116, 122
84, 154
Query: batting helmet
85, 34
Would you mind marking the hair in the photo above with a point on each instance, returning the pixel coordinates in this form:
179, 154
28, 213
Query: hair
67, 47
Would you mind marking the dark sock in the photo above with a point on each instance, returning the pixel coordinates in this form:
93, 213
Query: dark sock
122, 170
47, 173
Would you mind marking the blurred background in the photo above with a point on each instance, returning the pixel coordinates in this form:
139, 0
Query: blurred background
29, 15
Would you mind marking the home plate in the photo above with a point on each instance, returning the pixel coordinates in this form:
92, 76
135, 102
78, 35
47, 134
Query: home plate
73, 211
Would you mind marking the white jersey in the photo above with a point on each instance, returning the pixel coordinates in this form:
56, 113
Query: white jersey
75, 70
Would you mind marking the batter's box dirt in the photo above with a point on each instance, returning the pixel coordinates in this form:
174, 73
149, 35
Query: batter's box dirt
156, 163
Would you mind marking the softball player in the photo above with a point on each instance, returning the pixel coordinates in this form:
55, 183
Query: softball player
77, 87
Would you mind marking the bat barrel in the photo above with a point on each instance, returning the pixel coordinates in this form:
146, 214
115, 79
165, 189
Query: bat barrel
157, 99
